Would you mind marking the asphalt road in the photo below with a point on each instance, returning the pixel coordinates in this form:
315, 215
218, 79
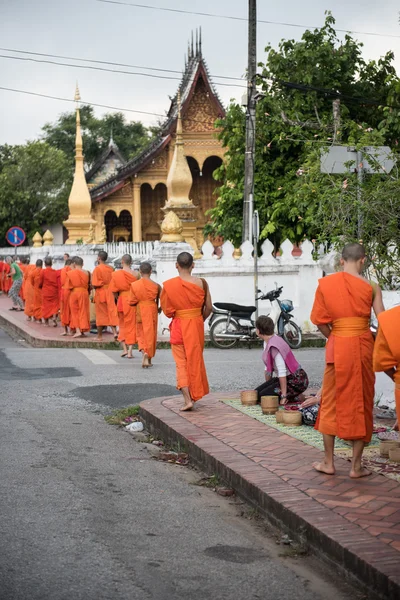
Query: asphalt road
87, 515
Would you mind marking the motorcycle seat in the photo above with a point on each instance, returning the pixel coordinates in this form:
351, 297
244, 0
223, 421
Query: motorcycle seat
235, 309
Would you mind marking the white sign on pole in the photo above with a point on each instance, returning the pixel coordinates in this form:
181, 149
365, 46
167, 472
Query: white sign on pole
342, 159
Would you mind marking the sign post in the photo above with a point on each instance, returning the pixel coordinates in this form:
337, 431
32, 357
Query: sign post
15, 236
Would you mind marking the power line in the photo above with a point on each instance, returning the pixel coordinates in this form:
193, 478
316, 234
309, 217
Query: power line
105, 62
141, 112
233, 18
91, 67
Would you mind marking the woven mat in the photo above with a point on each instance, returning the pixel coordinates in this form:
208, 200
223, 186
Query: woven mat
371, 460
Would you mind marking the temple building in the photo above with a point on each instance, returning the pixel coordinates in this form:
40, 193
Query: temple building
127, 197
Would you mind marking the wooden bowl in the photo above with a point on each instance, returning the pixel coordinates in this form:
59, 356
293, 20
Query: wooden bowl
269, 404
387, 445
249, 397
394, 454
292, 418
279, 416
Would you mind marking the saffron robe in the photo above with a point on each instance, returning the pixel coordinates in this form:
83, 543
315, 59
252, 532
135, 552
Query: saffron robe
2, 265
346, 410
29, 291
78, 284
7, 281
120, 283
144, 295
65, 292
23, 268
387, 348
50, 284
106, 309
35, 278
184, 302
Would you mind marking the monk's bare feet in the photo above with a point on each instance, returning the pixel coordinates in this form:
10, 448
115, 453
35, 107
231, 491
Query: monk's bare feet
356, 474
98, 339
321, 467
78, 335
146, 363
186, 407
129, 356
64, 333
124, 354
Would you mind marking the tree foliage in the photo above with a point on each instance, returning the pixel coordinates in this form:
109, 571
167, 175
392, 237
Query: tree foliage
130, 137
35, 180
295, 120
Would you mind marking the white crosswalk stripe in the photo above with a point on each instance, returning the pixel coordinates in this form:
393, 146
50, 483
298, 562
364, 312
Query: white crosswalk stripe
97, 357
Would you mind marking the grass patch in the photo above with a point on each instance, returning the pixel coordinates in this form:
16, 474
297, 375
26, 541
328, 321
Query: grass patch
294, 551
210, 482
118, 416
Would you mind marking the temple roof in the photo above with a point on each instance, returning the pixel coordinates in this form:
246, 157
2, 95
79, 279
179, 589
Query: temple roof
110, 152
195, 69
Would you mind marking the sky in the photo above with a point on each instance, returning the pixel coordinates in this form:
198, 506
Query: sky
149, 38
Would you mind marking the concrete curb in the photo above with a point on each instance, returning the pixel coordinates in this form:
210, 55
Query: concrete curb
368, 561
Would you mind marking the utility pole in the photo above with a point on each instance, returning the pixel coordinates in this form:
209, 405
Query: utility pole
360, 177
248, 201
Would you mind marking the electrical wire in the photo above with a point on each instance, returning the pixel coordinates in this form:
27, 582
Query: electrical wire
233, 18
91, 67
105, 62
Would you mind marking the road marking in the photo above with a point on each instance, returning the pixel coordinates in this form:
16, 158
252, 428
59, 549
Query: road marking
97, 357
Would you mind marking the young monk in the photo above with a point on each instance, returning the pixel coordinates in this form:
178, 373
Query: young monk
50, 284
23, 264
106, 310
78, 282
387, 351
120, 287
145, 295
342, 311
65, 292
2, 265
187, 300
35, 277
7, 281
29, 292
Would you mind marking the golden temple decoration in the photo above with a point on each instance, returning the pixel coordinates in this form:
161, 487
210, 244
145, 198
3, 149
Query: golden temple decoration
79, 202
37, 240
171, 228
179, 180
48, 238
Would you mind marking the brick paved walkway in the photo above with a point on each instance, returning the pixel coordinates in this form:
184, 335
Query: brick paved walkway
356, 523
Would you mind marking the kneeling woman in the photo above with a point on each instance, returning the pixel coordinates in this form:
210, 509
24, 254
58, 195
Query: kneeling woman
284, 377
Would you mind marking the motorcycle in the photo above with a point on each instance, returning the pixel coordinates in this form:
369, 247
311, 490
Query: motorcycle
233, 323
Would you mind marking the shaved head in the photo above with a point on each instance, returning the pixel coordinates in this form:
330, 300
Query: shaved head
68, 262
102, 255
145, 268
185, 260
126, 260
39, 262
353, 252
77, 260
48, 261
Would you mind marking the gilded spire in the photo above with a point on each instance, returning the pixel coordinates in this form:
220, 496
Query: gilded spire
179, 181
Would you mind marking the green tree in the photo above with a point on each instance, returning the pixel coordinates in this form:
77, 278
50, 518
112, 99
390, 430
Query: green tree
297, 115
35, 181
130, 137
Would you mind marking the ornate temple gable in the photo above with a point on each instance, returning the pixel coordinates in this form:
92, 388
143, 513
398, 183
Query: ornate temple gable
201, 112
106, 166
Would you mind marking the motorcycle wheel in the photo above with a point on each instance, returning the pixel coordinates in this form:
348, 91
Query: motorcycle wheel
292, 335
219, 327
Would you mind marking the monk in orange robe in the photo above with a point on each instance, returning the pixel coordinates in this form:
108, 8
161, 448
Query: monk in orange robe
29, 292
106, 309
35, 278
187, 300
120, 287
387, 351
65, 292
7, 281
145, 295
78, 282
23, 264
50, 284
2, 265
342, 312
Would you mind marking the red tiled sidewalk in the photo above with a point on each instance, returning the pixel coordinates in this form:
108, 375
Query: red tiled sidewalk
355, 523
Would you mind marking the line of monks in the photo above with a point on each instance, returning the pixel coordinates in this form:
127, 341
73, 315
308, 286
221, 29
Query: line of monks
131, 301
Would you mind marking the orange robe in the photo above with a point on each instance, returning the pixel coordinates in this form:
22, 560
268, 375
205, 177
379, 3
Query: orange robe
347, 401
78, 283
23, 268
7, 281
50, 284
120, 283
106, 309
184, 301
387, 348
37, 292
144, 295
29, 290
2, 265
65, 292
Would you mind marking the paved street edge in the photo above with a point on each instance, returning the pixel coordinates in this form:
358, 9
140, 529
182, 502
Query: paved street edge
327, 534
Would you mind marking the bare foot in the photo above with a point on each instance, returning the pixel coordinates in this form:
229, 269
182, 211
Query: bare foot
321, 467
187, 407
78, 335
129, 356
64, 333
361, 473
98, 339
124, 354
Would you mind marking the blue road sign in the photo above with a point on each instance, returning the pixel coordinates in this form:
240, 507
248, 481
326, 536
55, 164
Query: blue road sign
15, 236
